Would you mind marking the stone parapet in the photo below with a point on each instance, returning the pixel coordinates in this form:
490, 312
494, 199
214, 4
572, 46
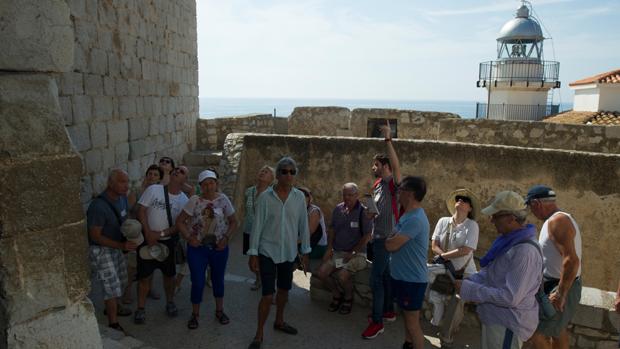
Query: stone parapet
211, 133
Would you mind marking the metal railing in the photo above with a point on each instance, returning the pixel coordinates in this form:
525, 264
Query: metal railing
518, 71
515, 112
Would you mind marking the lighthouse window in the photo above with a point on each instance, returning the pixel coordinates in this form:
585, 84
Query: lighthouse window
518, 50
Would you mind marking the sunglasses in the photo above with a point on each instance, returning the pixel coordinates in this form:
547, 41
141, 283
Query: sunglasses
180, 170
165, 161
462, 198
284, 172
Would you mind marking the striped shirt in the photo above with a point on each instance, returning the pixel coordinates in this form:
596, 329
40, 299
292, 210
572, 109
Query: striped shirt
384, 222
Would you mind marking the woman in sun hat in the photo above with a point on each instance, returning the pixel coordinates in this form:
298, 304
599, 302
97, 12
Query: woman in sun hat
454, 241
207, 223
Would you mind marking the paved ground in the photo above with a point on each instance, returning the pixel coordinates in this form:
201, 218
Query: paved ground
317, 327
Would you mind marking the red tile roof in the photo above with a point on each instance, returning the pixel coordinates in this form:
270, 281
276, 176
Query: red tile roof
611, 77
586, 118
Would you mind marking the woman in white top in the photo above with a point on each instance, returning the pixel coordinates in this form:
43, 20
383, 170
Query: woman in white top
454, 241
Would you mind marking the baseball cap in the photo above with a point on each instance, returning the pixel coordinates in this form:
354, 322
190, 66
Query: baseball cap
539, 192
206, 174
505, 201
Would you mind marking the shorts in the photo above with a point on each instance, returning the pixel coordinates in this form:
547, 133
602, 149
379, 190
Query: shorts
146, 267
110, 269
355, 264
408, 295
270, 272
246, 243
554, 326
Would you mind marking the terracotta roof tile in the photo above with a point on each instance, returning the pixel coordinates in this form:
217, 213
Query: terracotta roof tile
606, 118
610, 77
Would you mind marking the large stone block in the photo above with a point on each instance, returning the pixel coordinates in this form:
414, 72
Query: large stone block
118, 131
82, 108
103, 107
30, 102
36, 35
73, 326
93, 84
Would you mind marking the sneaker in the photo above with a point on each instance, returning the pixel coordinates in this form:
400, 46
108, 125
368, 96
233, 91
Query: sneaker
389, 316
139, 317
118, 327
372, 331
171, 309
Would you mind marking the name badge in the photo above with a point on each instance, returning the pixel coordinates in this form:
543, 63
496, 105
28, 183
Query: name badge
355, 224
123, 213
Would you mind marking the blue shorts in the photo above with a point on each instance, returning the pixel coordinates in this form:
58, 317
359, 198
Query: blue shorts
408, 295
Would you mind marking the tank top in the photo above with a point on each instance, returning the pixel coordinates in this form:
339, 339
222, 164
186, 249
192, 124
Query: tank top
552, 259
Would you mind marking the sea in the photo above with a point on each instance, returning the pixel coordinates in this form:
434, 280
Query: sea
211, 107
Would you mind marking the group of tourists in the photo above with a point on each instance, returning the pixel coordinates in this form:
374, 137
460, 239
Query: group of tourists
526, 290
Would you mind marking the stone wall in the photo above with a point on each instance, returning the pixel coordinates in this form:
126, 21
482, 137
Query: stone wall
43, 252
593, 196
332, 121
131, 93
211, 133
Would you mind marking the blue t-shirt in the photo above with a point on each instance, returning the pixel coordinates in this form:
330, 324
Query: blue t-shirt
409, 262
100, 214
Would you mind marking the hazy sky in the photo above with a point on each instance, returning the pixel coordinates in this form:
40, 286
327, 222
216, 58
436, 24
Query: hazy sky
399, 49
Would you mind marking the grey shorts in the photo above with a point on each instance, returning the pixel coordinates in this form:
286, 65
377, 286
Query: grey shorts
553, 327
110, 270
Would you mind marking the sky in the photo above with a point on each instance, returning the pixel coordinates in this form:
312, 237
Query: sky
396, 49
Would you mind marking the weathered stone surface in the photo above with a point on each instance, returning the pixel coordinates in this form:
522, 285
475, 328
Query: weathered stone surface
36, 35
73, 326
30, 102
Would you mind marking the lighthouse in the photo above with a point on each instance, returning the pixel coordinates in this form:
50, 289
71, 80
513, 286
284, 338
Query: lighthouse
519, 80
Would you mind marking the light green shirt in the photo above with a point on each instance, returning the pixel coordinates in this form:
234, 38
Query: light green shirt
278, 225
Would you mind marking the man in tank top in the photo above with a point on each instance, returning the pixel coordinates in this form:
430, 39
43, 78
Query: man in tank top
560, 240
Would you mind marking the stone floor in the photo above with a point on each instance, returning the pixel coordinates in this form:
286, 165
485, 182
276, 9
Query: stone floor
317, 327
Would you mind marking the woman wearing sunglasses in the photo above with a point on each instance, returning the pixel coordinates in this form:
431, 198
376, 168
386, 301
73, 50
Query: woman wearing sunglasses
453, 243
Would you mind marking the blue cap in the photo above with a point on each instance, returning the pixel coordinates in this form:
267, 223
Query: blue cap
539, 192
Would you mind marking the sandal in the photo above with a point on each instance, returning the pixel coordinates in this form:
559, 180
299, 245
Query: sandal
222, 317
256, 343
118, 327
192, 324
346, 306
120, 311
284, 327
335, 304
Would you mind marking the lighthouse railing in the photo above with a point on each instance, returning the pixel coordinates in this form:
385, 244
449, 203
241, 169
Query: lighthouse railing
521, 70
515, 112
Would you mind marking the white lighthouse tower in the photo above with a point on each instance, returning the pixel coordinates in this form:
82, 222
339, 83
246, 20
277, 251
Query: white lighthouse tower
519, 80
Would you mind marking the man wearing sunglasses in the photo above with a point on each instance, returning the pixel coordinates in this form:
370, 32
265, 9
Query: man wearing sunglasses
280, 220
560, 240
506, 286
158, 209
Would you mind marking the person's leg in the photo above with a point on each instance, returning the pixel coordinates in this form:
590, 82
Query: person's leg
281, 299
540, 341
413, 328
346, 282
197, 262
562, 341
379, 265
325, 271
217, 263
388, 297
267, 271
499, 337
284, 280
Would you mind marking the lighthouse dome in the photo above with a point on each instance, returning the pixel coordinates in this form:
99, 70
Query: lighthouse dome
522, 28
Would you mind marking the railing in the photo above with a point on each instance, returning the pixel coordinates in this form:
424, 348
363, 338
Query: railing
519, 71
515, 112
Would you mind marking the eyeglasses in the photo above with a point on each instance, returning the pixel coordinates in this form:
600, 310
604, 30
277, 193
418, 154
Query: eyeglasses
180, 170
165, 161
462, 198
284, 172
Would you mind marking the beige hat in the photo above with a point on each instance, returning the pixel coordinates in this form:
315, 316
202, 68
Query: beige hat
505, 201
158, 252
475, 203
132, 231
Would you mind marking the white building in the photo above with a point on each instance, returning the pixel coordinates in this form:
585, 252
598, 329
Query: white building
519, 80
598, 93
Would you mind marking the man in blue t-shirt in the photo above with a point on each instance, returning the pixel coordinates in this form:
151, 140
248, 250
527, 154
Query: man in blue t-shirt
408, 246
105, 216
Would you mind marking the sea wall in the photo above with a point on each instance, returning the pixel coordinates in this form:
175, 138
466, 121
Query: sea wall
130, 95
328, 162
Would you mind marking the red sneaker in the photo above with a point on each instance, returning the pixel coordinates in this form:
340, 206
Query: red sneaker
389, 316
372, 331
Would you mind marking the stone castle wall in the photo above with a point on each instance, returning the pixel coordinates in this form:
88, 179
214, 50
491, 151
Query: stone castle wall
412, 124
131, 93
211, 133
328, 162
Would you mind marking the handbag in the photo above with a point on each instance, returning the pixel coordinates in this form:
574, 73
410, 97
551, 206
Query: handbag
443, 284
546, 310
179, 253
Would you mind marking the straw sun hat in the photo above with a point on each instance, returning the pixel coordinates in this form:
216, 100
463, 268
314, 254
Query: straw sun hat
475, 203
